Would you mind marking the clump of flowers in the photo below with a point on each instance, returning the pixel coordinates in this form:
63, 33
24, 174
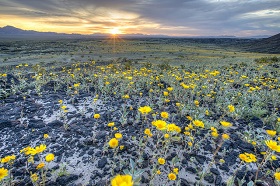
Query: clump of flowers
198, 123
145, 110
248, 157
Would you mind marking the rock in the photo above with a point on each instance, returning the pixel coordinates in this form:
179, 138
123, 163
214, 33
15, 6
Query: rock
215, 171
191, 169
55, 123
218, 180
64, 180
5, 124
209, 178
101, 163
201, 159
257, 122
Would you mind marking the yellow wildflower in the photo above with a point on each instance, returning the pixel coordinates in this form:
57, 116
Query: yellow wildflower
225, 124
145, 109
3, 173
273, 145
49, 157
164, 115
161, 161
122, 180
96, 116
118, 135
231, 108
113, 143
272, 133
198, 123
40, 165
172, 176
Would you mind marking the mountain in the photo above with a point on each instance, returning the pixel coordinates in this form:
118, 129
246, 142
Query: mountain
269, 45
9, 31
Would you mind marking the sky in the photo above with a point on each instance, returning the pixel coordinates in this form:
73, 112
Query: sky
166, 17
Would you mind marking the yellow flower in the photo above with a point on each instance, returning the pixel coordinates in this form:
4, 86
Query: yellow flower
190, 143
273, 157
273, 145
276, 175
166, 135
278, 119
113, 143
122, 180
176, 170
121, 147
198, 123
248, 157
169, 89
148, 132
96, 116
60, 101
7, 159
118, 135
40, 165
50, 157
145, 109
158, 172
28, 151
111, 124
3, 173
40, 148
126, 96
178, 104
46, 136
214, 134
34, 177
63, 107
225, 136
165, 93
254, 143
222, 161
164, 115
172, 176
189, 118
196, 102
231, 108
115, 128
226, 124
207, 113
160, 124
161, 161
272, 133
76, 84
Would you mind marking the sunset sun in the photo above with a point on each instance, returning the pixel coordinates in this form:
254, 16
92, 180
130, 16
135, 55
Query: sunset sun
115, 31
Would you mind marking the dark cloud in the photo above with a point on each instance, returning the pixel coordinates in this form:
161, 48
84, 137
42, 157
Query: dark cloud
199, 17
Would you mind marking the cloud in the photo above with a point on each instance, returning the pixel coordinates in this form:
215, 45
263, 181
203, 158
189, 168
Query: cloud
176, 17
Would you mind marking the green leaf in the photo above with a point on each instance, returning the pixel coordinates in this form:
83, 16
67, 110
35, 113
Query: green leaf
137, 180
126, 171
132, 164
139, 172
251, 183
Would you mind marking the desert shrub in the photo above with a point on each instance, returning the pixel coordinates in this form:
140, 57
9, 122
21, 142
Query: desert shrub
267, 60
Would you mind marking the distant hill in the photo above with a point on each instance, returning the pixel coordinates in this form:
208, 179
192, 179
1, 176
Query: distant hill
269, 45
9, 31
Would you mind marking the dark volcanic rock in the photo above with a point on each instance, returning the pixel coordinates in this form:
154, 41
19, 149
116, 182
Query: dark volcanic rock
101, 163
64, 180
5, 124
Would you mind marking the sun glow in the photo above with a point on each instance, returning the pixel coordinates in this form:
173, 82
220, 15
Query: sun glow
115, 31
